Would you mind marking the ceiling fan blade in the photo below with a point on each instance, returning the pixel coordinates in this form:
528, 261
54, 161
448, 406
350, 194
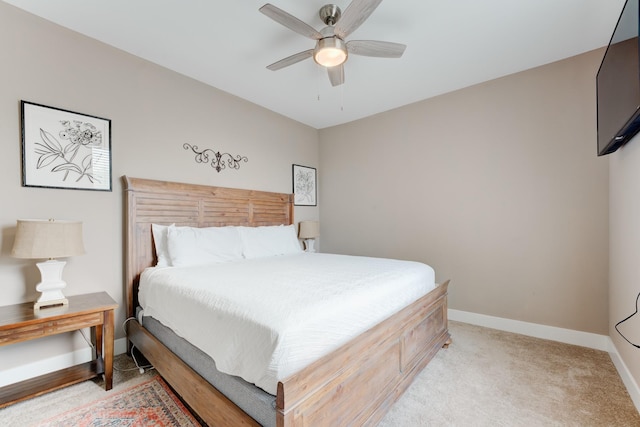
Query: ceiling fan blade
336, 75
354, 15
290, 21
290, 60
376, 48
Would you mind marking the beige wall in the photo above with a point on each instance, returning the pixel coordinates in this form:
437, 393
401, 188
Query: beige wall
497, 186
153, 112
624, 277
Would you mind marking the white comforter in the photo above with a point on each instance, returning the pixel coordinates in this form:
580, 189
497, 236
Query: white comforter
265, 319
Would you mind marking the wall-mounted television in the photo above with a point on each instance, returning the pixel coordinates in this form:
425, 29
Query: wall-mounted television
618, 84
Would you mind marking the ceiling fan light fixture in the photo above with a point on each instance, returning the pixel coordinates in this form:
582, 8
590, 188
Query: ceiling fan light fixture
330, 52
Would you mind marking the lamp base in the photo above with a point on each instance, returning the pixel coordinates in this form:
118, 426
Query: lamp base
51, 285
309, 245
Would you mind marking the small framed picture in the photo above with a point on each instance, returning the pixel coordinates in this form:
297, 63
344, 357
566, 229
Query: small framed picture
304, 186
64, 149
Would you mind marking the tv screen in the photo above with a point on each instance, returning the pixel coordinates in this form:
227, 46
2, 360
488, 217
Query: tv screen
618, 84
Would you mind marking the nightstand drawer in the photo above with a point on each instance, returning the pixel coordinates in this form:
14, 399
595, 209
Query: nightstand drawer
50, 327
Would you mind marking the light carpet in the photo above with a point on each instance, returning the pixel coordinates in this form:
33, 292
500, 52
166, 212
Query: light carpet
485, 378
494, 378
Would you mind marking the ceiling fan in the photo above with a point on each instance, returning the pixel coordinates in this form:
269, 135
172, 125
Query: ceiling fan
331, 50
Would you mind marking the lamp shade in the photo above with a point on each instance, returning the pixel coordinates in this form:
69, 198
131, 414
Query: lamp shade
309, 229
36, 238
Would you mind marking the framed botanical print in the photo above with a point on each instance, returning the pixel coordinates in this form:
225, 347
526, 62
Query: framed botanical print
304, 186
65, 149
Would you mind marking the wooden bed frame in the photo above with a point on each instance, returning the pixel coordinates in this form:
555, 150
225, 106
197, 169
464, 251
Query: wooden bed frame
354, 385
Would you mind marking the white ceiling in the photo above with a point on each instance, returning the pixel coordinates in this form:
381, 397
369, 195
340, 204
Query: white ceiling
451, 44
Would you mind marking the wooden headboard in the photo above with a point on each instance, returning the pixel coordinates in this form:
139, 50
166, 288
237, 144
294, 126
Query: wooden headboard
160, 202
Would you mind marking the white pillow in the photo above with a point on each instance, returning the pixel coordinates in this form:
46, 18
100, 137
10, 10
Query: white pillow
160, 242
194, 246
258, 242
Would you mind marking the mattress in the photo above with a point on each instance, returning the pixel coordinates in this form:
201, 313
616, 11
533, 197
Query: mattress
265, 319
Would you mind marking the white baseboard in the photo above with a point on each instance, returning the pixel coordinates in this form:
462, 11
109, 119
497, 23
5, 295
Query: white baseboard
51, 364
120, 346
568, 336
41, 367
628, 380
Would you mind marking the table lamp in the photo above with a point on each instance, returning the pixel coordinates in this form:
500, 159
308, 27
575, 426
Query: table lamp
309, 230
48, 239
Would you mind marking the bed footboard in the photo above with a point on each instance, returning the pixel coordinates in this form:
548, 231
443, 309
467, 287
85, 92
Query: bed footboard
358, 383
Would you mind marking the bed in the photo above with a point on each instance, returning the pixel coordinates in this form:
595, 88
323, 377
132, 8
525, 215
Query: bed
355, 384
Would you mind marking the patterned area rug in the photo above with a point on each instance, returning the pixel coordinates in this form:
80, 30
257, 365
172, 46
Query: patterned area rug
151, 403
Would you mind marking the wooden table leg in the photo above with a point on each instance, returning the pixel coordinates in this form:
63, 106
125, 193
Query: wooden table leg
108, 349
97, 343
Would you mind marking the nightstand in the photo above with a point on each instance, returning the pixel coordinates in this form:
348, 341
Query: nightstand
20, 323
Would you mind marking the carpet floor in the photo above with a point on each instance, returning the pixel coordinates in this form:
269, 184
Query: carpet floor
485, 378
494, 378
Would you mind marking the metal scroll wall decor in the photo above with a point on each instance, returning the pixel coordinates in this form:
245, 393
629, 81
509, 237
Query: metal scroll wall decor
218, 160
